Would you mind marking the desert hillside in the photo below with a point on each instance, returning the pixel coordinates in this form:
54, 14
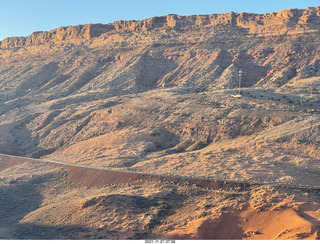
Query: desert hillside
161, 97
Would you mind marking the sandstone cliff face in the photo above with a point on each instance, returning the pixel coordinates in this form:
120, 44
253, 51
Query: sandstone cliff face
176, 50
131, 56
290, 21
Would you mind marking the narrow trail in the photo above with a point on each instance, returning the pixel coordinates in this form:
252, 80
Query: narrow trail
91, 177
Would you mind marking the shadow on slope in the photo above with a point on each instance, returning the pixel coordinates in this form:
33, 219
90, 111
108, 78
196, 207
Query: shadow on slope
19, 199
67, 232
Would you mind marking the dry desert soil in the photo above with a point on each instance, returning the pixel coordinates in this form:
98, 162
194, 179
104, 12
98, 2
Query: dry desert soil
138, 129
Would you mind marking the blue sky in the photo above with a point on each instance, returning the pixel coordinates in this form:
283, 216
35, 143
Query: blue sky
22, 17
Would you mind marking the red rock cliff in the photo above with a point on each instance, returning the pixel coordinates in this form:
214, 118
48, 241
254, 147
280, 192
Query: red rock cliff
284, 22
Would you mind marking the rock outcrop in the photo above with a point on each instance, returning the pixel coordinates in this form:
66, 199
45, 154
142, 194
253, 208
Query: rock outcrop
285, 22
170, 50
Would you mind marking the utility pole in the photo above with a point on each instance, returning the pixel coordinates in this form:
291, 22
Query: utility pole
240, 76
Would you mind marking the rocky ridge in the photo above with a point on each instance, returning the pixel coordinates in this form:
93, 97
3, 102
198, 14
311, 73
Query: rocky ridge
271, 49
291, 21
